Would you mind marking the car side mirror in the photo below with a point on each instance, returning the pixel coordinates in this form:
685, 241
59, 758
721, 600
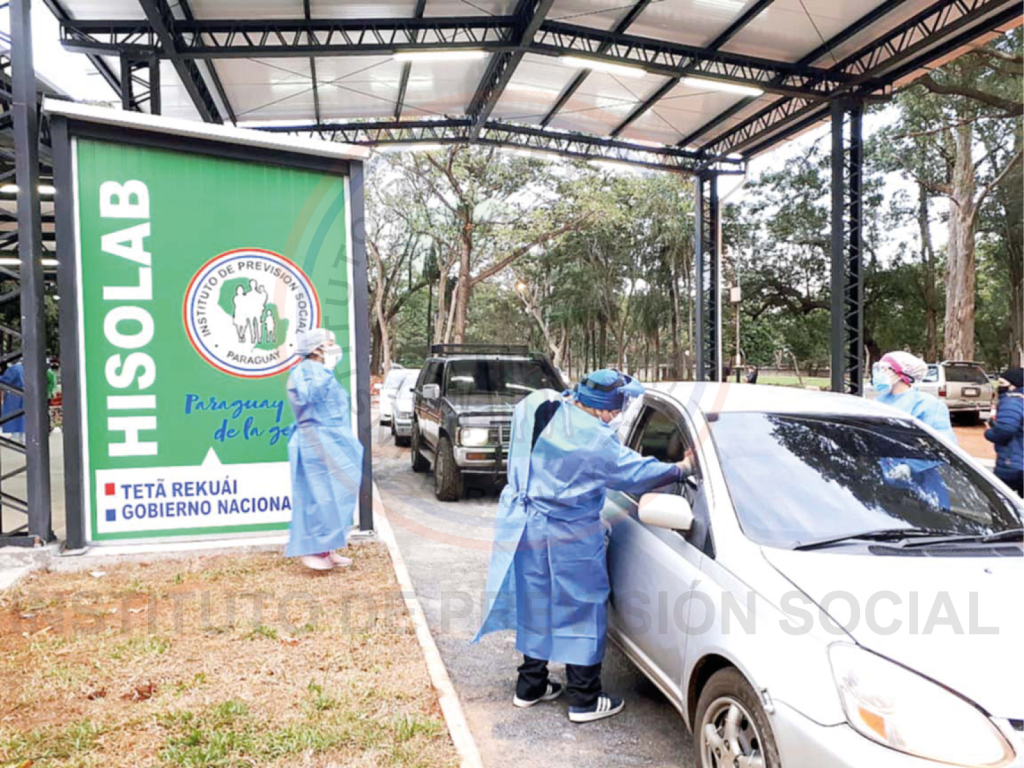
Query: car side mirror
665, 510
431, 391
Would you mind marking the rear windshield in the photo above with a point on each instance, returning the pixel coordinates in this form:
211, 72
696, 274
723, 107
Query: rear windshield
515, 378
968, 374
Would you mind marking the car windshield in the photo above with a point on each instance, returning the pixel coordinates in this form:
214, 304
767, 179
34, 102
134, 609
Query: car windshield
513, 378
797, 479
968, 374
394, 379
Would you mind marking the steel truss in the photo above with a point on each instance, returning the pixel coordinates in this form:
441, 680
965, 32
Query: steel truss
25, 343
847, 248
140, 83
708, 266
497, 133
943, 27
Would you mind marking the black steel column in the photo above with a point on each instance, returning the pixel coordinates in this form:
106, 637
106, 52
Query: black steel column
132, 98
154, 86
847, 248
24, 108
361, 300
708, 265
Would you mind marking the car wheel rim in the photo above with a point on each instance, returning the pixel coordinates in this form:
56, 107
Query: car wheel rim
729, 737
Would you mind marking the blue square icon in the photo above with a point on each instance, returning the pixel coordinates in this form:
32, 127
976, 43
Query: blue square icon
111, 515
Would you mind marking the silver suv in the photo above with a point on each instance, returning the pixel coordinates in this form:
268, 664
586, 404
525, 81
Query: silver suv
963, 387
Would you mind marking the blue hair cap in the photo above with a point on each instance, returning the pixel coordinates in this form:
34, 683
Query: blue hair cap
607, 389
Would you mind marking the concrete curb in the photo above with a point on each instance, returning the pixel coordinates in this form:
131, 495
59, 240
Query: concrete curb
451, 706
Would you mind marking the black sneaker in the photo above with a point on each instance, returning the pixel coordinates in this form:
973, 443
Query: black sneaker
553, 692
605, 706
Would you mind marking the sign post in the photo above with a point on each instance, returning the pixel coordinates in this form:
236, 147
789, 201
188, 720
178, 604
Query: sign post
191, 256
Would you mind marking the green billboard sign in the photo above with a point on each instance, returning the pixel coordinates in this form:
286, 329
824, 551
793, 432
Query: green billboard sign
194, 274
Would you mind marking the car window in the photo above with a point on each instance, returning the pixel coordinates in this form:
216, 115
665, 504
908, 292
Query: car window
932, 376
394, 379
795, 479
431, 375
967, 374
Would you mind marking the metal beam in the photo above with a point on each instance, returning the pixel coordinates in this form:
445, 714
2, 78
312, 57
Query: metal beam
497, 133
943, 26
708, 266
508, 37
726, 35
312, 70
529, 15
25, 112
211, 69
847, 301
162, 21
570, 90
403, 83
62, 15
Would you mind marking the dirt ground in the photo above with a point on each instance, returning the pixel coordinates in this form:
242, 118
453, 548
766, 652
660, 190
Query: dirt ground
972, 439
219, 661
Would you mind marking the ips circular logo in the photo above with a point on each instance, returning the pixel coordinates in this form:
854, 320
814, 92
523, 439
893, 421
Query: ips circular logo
243, 309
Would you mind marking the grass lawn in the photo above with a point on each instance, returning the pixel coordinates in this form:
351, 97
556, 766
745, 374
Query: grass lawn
219, 661
793, 381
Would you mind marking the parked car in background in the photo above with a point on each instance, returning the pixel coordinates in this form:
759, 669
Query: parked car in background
963, 386
402, 406
463, 409
387, 392
780, 597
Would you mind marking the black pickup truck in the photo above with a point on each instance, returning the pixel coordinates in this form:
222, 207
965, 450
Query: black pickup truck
464, 399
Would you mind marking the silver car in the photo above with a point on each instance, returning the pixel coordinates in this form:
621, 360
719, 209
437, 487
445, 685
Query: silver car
963, 387
402, 406
834, 587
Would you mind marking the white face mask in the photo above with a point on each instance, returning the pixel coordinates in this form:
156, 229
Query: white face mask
332, 356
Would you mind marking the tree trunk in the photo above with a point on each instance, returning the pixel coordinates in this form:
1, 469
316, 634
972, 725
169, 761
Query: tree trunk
674, 292
960, 270
463, 287
929, 290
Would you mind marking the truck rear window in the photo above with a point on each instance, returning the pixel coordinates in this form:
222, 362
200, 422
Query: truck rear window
967, 374
502, 377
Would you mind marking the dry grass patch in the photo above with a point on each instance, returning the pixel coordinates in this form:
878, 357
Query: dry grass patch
221, 661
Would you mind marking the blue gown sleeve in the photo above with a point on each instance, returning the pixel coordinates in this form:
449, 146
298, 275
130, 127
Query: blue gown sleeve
1007, 426
629, 471
936, 416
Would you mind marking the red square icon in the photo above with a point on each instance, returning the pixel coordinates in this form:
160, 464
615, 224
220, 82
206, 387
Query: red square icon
110, 489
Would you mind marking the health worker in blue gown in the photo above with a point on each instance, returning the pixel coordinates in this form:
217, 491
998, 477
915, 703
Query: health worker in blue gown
325, 456
548, 576
894, 378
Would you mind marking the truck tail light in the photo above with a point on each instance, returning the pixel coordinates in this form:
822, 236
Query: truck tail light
942, 391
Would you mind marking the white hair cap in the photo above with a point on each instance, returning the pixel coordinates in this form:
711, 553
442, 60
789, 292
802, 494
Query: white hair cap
907, 365
307, 342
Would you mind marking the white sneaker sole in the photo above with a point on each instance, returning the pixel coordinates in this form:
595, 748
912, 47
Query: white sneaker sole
589, 717
526, 704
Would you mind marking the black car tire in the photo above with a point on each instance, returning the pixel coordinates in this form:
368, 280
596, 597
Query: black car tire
402, 441
419, 464
448, 484
728, 688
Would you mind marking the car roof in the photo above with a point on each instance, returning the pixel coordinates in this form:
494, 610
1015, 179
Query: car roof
765, 398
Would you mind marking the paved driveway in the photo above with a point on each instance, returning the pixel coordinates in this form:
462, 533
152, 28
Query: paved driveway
446, 547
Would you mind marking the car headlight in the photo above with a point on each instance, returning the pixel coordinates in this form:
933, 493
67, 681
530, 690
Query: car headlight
907, 712
474, 436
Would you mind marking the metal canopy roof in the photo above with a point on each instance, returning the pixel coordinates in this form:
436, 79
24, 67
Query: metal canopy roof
328, 67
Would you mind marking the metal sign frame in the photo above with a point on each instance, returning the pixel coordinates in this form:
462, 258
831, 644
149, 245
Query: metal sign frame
70, 122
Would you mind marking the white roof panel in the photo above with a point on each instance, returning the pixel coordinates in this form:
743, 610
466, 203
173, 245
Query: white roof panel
533, 89
268, 89
174, 99
690, 22
441, 88
682, 111
788, 29
604, 101
469, 7
357, 86
245, 9
104, 9
597, 14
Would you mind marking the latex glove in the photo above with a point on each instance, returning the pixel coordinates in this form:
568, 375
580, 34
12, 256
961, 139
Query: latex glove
899, 472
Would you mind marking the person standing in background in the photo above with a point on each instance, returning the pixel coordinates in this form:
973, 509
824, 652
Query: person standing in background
1006, 431
325, 456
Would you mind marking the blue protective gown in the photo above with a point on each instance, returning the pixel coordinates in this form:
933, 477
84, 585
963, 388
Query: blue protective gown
548, 576
326, 462
925, 480
15, 376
